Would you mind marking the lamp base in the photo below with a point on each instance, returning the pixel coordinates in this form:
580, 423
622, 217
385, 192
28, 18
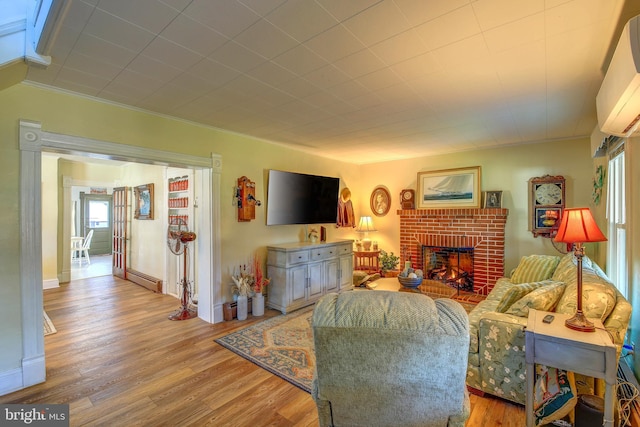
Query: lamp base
580, 323
366, 243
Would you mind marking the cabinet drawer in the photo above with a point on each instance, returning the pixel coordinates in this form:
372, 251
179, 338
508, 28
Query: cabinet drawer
318, 254
297, 257
345, 249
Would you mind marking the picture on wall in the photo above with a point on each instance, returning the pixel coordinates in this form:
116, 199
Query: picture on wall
492, 199
380, 201
449, 188
143, 196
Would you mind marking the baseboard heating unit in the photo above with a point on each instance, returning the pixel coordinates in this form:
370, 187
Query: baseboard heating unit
152, 283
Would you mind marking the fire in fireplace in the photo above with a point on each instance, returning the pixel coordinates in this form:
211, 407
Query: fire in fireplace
452, 266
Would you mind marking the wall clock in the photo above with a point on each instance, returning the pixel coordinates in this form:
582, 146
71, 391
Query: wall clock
408, 199
546, 204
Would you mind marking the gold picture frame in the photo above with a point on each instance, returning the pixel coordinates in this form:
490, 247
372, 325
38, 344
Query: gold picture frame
143, 196
449, 188
380, 201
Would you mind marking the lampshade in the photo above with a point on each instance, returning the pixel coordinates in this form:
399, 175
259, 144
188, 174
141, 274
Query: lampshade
365, 225
578, 226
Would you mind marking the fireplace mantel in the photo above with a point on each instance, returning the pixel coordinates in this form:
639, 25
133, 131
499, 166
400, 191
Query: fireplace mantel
483, 229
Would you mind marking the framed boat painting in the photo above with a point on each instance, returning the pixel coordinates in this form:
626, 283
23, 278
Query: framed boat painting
449, 188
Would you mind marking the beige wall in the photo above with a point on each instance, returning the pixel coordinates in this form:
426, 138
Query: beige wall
506, 169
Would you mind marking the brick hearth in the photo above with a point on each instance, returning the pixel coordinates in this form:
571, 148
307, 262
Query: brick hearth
481, 229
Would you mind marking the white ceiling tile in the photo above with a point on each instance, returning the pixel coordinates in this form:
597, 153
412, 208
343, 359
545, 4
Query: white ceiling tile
110, 53
300, 60
326, 77
462, 53
151, 15
114, 30
265, 39
168, 52
78, 61
301, 19
377, 23
229, 17
493, 13
343, 10
416, 67
216, 73
146, 66
271, 74
513, 34
193, 35
420, 11
359, 63
436, 33
400, 47
237, 57
298, 88
262, 7
334, 43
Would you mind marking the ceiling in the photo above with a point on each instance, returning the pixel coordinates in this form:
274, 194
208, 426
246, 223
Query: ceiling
358, 80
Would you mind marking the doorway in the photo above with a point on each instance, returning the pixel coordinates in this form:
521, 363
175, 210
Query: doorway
33, 141
95, 214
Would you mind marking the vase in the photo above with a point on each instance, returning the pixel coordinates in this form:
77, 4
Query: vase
257, 305
242, 307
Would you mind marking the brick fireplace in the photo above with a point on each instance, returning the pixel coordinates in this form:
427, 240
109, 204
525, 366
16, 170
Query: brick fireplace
480, 229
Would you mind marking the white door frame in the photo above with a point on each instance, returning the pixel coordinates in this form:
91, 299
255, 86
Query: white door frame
33, 141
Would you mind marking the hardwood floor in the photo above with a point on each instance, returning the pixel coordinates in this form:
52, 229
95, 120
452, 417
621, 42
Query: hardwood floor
117, 360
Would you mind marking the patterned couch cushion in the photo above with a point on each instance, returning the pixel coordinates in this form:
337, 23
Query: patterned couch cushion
544, 298
516, 292
534, 268
598, 296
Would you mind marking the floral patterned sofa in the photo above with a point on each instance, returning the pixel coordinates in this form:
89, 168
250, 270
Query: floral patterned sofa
496, 362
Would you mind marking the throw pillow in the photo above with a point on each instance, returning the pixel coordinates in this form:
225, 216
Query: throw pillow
516, 292
543, 299
534, 268
566, 269
598, 297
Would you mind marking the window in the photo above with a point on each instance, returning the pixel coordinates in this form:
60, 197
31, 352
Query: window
616, 216
98, 214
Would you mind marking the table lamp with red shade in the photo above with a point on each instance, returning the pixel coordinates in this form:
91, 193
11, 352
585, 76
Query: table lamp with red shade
577, 226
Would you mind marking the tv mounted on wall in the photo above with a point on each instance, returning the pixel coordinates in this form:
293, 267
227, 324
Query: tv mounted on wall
296, 198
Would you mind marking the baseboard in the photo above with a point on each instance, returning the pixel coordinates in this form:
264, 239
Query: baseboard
149, 282
50, 284
10, 381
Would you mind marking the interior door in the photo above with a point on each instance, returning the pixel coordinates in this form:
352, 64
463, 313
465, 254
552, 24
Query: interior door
96, 216
119, 266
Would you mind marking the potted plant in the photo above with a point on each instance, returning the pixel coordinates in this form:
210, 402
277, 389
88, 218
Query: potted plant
388, 263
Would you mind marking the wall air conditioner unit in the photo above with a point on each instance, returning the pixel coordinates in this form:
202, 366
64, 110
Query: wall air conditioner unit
618, 101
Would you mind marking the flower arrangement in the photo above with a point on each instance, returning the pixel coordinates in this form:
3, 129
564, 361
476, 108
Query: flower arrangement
249, 282
260, 282
313, 235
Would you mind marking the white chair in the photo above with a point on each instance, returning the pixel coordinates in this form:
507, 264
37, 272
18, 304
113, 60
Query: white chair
84, 249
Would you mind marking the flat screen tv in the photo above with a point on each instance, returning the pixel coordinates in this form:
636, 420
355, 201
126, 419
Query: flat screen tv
296, 198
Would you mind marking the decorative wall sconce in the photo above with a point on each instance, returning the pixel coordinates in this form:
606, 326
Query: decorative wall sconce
246, 199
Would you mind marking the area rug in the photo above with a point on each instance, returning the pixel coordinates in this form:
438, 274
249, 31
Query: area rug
48, 325
282, 345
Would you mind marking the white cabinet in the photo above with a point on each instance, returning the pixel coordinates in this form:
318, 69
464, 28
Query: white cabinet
301, 273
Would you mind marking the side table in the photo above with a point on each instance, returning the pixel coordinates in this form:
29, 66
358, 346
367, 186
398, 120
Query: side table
588, 353
367, 261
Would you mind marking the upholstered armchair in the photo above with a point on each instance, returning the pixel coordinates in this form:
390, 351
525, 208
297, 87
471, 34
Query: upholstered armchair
390, 358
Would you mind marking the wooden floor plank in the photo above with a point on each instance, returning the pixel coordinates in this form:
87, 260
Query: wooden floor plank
118, 360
